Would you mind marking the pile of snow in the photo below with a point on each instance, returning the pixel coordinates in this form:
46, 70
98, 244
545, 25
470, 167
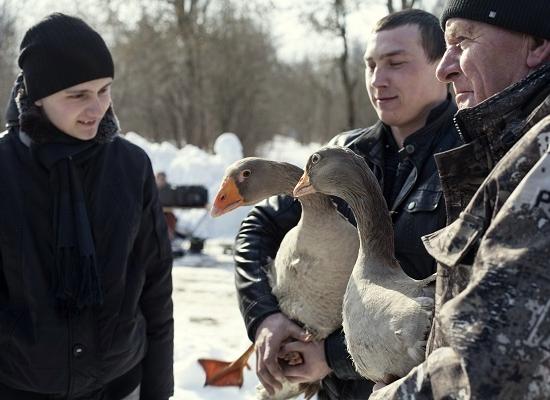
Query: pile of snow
193, 166
282, 148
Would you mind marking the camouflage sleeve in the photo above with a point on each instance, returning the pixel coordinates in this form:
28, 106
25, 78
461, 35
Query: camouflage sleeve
443, 369
498, 328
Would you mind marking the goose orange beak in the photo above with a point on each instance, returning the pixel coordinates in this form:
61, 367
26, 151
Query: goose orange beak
228, 198
223, 373
303, 186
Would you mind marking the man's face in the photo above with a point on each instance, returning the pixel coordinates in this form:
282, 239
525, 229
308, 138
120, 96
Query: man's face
400, 80
78, 110
481, 60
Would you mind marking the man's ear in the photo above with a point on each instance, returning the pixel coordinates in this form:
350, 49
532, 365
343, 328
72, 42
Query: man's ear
539, 53
38, 103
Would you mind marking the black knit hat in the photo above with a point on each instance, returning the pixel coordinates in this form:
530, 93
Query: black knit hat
62, 51
528, 16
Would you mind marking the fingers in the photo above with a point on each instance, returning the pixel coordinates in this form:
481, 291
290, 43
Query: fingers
293, 347
294, 331
292, 358
268, 369
313, 366
272, 332
297, 373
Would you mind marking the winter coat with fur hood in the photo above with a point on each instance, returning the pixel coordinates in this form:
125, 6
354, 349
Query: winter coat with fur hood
97, 352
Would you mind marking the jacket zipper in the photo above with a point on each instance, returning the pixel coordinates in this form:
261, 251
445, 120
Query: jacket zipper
459, 130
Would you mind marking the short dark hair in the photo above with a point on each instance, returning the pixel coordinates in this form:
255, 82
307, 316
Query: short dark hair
432, 37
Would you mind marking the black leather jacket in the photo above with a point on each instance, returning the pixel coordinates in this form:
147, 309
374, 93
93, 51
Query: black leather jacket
418, 210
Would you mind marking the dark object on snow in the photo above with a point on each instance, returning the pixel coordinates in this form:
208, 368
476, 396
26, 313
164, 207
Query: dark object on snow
183, 196
196, 245
177, 252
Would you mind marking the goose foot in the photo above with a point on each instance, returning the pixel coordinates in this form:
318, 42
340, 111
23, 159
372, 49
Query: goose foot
224, 373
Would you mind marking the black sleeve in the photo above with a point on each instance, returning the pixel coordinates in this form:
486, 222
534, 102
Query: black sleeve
152, 249
338, 358
257, 242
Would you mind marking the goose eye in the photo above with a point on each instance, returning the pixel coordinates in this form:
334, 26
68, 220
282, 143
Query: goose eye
246, 173
315, 158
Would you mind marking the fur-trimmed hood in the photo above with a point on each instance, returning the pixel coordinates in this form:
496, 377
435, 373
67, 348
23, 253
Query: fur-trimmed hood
29, 118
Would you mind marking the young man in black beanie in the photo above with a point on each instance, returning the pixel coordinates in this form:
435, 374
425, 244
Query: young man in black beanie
85, 262
491, 331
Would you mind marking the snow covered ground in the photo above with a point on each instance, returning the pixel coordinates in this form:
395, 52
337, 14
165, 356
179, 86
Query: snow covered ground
208, 323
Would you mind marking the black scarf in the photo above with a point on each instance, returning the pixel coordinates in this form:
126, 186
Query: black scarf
76, 277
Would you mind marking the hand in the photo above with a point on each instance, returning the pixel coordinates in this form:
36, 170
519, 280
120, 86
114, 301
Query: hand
270, 335
314, 366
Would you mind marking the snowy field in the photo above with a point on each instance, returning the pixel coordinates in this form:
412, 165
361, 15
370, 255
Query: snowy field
208, 323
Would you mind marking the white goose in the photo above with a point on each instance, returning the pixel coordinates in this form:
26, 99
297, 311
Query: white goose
386, 314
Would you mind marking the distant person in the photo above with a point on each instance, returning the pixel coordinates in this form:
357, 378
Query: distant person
161, 181
491, 330
415, 114
85, 262
171, 220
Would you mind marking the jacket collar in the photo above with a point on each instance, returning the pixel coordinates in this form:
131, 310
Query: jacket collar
501, 120
371, 143
419, 145
415, 147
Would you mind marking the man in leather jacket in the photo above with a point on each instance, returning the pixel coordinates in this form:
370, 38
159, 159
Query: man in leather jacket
415, 114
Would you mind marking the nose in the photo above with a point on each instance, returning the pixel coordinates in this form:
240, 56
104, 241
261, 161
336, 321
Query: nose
377, 78
95, 108
449, 66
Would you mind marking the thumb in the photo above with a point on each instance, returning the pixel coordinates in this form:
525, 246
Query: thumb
293, 347
295, 332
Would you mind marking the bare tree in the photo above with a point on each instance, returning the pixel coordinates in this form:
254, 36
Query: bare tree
437, 8
179, 88
191, 18
242, 60
8, 52
405, 4
332, 19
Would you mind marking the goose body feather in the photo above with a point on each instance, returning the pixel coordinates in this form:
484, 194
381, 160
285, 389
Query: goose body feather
386, 314
314, 261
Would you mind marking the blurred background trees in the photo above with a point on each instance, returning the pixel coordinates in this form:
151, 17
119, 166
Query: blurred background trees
8, 51
187, 70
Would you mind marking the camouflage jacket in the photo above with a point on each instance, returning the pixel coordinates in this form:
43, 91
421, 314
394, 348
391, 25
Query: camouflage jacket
491, 333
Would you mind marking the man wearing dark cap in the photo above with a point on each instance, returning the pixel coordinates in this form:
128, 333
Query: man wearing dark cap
85, 262
491, 333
